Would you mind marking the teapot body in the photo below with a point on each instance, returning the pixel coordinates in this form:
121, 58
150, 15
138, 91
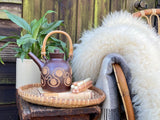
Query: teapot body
56, 75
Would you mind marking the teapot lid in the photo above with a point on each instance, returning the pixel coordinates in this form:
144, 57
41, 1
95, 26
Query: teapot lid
56, 54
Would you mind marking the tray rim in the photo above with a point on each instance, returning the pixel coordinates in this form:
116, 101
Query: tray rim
59, 102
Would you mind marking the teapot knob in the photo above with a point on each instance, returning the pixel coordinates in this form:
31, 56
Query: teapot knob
56, 51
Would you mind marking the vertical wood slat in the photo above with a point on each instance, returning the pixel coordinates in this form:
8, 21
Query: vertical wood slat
117, 5
37, 8
68, 14
31, 10
158, 2
50, 5
84, 16
130, 5
100, 11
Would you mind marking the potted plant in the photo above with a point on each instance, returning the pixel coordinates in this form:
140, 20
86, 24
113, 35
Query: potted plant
31, 39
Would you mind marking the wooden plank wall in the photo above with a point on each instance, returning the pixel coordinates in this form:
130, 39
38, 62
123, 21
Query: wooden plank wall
78, 15
8, 110
9, 28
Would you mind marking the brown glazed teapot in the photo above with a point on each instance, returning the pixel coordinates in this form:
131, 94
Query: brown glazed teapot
56, 74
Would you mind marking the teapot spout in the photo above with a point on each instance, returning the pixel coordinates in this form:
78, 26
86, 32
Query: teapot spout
36, 60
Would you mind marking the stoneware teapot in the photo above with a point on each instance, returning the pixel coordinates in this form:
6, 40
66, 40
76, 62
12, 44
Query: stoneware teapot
56, 73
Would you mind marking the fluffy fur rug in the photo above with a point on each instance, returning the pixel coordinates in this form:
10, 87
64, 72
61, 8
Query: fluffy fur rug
139, 45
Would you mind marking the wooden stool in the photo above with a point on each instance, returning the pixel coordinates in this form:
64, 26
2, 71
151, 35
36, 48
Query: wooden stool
29, 111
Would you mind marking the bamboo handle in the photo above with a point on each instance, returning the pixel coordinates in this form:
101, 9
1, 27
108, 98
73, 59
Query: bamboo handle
43, 52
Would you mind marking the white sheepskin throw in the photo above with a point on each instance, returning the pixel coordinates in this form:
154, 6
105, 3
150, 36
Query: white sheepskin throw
139, 44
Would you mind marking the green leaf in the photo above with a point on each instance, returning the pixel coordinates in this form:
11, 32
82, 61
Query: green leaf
17, 50
3, 37
22, 56
18, 20
1, 60
27, 38
26, 42
17, 55
8, 37
49, 11
26, 47
1, 48
38, 24
40, 40
52, 26
44, 24
55, 39
32, 23
52, 48
35, 28
44, 21
63, 44
5, 45
20, 53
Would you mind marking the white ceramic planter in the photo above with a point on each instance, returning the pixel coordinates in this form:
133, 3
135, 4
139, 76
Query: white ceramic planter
27, 72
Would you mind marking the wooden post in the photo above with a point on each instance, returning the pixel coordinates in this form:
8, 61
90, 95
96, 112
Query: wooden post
84, 16
31, 10
50, 5
117, 5
101, 10
68, 13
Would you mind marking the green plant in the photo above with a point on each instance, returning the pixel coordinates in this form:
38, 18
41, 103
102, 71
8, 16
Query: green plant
32, 35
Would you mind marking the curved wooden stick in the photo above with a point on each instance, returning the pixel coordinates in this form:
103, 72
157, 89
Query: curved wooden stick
146, 12
124, 91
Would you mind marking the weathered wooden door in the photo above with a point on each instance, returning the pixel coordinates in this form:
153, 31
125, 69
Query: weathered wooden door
78, 16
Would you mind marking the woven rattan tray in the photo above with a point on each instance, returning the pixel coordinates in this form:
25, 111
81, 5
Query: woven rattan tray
31, 94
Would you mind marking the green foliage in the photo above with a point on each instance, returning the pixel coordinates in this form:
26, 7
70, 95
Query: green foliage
19, 21
35, 32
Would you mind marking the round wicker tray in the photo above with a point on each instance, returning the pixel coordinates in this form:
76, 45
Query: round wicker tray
31, 94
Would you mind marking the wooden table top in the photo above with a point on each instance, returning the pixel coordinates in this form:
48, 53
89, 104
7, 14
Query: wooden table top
28, 110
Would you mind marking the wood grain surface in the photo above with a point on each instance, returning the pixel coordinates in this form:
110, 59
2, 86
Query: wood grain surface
37, 112
124, 91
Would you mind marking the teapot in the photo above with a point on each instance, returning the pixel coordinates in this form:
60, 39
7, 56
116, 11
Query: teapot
56, 73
